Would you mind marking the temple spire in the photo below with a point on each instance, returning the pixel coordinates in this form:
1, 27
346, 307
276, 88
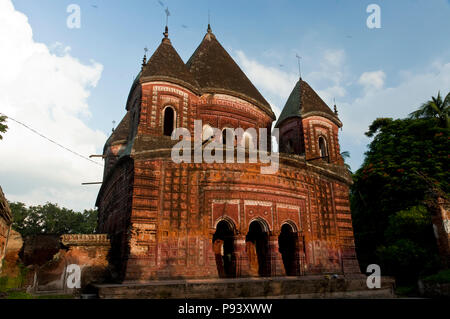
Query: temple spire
299, 66
144, 60
335, 107
166, 31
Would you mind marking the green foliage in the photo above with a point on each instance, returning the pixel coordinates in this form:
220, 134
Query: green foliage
391, 228
7, 282
441, 277
411, 223
435, 108
346, 155
52, 219
18, 295
3, 126
406, 291
55, 297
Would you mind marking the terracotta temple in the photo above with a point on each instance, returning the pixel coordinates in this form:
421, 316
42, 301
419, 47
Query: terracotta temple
198, 220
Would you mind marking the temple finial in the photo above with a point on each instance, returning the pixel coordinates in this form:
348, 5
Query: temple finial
166, 32
209, 20
299, 66
335, 107
144, 60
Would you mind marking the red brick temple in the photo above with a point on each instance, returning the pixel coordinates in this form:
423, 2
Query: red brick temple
199, 220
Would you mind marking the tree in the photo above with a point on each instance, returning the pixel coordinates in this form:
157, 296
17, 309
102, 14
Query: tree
3, 126
345, 156
409, 249
52, 219
435, 108
388, 183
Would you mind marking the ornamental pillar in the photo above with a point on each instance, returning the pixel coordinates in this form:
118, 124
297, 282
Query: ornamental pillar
300, 256
240, 256
275, 260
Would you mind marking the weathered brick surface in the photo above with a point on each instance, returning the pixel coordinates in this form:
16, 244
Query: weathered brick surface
441, 225
89, 252
162, 217
5, 226
176, 207
12, 259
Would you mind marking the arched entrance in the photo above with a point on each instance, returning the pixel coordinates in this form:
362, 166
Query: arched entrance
223, 245
169, 121
323, 149
288, 243
257, 247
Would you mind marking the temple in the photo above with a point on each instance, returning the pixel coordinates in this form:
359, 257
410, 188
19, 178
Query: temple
198, 220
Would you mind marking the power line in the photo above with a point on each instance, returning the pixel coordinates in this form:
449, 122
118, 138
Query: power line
50, 140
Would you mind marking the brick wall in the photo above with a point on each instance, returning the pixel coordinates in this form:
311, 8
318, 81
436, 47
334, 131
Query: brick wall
175, 210
162, 216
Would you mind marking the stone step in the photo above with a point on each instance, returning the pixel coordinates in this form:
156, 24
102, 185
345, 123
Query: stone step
273, 287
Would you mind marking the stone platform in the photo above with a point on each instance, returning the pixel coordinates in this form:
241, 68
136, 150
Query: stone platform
273, 287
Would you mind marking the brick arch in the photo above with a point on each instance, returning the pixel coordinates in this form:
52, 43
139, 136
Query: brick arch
326, 145
228, 220
176, 115
289, 248
291, 223
261, 220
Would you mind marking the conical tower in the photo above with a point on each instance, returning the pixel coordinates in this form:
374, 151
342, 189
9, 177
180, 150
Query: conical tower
308, 126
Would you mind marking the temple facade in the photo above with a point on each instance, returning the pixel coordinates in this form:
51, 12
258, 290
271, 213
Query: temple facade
170, 220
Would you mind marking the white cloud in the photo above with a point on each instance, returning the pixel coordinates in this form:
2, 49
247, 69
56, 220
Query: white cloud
267, 78
372, 80
332, 79
334, 58
47, 89
329, 78
395, 102
276, 85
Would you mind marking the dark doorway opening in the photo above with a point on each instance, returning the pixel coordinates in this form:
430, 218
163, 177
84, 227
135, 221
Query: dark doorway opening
288, 243
228, 141
257, 246
223, 245
323, 149
169, 117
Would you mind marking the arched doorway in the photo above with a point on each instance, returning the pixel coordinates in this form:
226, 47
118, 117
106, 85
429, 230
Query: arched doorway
248, 142
228, 141
257, 247
169, 121
223, 246
288, 243
323, 149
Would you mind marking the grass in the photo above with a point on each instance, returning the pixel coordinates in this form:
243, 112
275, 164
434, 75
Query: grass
441, 277
19, 294
406, 291
8, 282
55, 297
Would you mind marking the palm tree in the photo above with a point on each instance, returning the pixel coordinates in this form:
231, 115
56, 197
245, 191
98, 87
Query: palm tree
435, 108
346, 155
3, 127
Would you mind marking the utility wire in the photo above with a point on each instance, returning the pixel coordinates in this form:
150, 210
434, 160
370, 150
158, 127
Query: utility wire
50, 140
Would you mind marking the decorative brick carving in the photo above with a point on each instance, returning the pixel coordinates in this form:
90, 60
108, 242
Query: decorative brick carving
162, 217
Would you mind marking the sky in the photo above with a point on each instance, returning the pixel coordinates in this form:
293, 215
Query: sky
70, 84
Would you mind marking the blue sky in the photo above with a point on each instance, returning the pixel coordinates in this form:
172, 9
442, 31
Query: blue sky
371, 72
